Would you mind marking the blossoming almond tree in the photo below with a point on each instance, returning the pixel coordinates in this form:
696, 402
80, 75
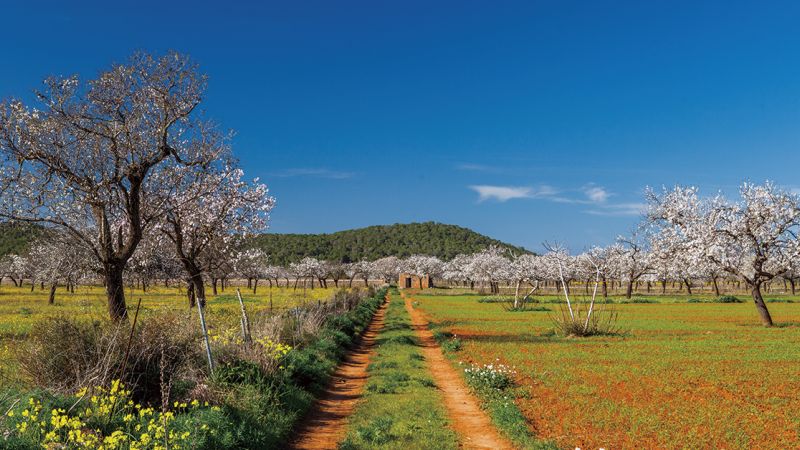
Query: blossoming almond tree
206, 210
754, 239
85, 163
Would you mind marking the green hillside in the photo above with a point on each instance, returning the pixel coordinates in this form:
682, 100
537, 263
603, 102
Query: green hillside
443, 241
16, 237
429, 238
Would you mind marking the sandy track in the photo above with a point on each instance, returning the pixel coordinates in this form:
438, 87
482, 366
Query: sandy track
325, 426
467, 418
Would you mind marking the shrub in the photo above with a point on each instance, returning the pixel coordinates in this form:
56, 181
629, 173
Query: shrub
780, 300
63, 354
695, 300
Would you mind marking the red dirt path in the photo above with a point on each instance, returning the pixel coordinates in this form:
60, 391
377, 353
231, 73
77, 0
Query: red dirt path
466, 417
325, 426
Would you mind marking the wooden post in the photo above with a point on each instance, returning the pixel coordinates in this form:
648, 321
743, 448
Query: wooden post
245, 322
202, 315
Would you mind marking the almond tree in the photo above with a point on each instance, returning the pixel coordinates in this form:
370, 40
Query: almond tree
754, 239
14, 267
206, 211
87, 162
250, 264
630, 261
59, 260
490, 266
386, 269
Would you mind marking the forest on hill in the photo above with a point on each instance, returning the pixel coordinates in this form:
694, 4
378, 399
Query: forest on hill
370, 243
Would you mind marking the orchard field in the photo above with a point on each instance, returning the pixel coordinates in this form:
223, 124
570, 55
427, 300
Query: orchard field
679, 375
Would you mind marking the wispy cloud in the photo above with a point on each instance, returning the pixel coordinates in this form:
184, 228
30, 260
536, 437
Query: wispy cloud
469, 167
501, 193
313, 172
591, 195
596, 194
618, 209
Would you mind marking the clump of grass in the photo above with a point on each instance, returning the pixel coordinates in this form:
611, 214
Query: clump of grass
639, 300
728, 299
602, 322
493, 299
780, 300
695, 300
448, 341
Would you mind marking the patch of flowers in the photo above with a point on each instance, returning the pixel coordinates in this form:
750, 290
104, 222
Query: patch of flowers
490, 377
105, 418
274, 349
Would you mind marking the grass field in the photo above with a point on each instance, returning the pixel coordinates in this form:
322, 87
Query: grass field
682, 375
20, 308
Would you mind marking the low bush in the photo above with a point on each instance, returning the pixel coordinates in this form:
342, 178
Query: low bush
63, 354
779, 300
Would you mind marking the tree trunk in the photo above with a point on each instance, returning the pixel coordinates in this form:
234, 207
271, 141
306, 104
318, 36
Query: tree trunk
214, 282
605, 287
761, 307
791, 284
716, 286
629, 291
688, 284
255, 286
52, 299
115, 291
190, 294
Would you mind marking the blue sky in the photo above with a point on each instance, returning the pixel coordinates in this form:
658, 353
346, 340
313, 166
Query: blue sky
527, 121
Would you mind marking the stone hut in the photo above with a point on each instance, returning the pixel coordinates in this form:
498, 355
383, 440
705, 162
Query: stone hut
408, 281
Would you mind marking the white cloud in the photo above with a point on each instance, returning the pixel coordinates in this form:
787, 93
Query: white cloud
619, 209
596, 197
315, 172
501, 193
596, 194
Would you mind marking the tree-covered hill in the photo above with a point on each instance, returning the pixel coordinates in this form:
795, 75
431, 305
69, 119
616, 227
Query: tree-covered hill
430, 238
16, 237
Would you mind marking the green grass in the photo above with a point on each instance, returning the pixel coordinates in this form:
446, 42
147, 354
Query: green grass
401, 407
683, 375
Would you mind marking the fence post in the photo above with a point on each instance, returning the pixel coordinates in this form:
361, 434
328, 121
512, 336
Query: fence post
200, 307
245, 320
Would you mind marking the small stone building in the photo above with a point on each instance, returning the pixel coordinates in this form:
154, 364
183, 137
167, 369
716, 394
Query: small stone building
408, 281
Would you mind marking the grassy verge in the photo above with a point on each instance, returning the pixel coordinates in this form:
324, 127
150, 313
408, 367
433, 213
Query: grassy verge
242, 405
401, 407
